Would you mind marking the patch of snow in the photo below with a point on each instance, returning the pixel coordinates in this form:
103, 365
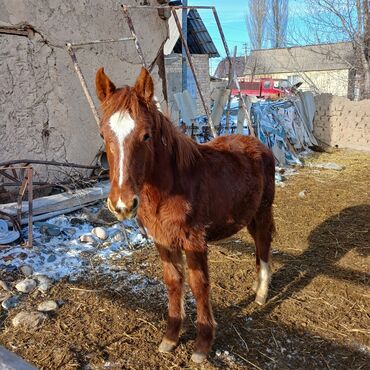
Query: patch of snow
65, 255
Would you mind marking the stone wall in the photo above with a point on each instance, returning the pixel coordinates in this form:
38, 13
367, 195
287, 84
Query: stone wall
43, 111
342, 123
174, 81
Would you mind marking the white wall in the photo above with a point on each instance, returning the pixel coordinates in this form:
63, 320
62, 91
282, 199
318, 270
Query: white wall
43, 111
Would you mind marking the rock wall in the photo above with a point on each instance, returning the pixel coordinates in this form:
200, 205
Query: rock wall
342, 123
43, 111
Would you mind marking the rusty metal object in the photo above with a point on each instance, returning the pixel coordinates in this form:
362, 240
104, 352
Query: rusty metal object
29, 177
83, 83
230, 78
15, 223
37, 161
214, 11
78, 44
133, 33
25, 182
190, 61
26, 172
168, 6
21, 192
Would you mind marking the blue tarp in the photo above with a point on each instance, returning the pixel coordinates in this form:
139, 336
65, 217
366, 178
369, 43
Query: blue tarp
282, 125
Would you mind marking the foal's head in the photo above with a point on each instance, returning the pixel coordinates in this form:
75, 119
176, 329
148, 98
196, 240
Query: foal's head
127, 129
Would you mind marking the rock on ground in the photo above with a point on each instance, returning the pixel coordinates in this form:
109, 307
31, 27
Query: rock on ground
47, 306
29, 319
10, 302
44, 283
100, 232
26, 285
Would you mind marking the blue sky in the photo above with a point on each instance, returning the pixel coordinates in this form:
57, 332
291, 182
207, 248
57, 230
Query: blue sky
232, 15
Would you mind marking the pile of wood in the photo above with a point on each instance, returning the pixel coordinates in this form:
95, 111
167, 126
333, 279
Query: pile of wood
54, 205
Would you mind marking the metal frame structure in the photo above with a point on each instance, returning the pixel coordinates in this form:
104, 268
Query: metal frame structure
26, 170
24, 179
184, 42
125, 8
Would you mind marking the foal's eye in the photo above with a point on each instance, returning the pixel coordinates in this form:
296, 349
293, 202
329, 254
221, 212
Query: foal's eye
146, 137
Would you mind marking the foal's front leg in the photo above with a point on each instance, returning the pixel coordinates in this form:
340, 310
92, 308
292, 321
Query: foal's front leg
199, 284
173, 276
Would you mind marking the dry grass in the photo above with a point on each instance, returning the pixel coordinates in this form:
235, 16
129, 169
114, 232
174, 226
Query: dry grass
317, 315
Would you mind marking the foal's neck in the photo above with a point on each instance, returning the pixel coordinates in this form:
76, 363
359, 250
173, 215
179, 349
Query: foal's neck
175, 154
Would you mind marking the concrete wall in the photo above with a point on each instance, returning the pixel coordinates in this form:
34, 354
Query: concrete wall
43, 111
174, 81
332, 82
342, 123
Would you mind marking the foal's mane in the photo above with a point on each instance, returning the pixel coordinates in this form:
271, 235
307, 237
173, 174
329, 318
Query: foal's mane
184, 150
182, 147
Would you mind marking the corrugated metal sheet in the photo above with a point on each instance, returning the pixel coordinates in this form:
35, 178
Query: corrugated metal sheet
199, 40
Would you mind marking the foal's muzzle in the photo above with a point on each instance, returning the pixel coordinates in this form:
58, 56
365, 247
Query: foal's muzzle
123, 211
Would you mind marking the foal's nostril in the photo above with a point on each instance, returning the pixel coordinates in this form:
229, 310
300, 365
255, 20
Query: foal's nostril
135, 203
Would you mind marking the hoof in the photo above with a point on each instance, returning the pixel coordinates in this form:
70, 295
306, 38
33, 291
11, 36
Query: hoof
166, 346
261, 299
255, 286
198, 357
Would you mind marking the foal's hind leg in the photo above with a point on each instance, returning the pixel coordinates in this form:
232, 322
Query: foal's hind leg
261, 229
173, 276
199, 284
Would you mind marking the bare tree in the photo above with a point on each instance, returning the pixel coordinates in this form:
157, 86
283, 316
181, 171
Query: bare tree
344, 20
256, 22
278, 22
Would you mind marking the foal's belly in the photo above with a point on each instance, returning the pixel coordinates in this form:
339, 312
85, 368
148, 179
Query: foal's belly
217, 232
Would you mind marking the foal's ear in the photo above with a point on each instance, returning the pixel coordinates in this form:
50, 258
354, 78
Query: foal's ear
104, 86
144, 85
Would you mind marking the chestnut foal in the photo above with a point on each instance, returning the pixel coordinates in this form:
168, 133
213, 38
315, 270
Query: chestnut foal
185, 194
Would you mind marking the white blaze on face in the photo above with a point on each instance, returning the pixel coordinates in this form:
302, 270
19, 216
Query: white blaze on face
120, 204
122, 125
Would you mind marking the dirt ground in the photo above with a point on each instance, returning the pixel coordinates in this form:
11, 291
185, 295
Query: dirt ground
317, 315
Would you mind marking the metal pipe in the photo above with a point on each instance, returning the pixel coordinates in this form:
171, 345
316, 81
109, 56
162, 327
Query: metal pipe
6, 165
77, 44
231, 77
83, 83
29, 175
168, 7
21, 192
222, 35
133, 33
183, 51
214, 132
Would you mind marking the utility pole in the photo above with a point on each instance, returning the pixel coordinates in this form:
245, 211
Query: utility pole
245, 46
183, 51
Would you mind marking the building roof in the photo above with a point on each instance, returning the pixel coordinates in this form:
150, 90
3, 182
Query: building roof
222, 70
199, 40
319, 57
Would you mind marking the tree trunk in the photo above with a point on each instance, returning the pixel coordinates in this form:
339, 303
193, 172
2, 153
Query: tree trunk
365, 93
